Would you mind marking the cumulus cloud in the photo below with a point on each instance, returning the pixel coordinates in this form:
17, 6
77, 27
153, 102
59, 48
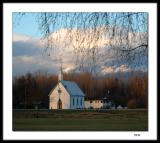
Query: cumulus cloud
20, 37
25, 48
78, 38
29, 53
24, 64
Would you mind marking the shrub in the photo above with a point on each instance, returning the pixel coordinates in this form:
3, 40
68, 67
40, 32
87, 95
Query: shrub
132, 104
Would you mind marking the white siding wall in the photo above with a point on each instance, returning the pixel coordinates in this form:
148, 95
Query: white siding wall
54, 97
53, 100
95, 104
87, 104
67, 102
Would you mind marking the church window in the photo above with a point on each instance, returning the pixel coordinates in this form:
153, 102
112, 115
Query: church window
77, 101
73, 101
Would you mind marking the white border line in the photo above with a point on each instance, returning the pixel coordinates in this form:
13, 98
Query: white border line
7, 70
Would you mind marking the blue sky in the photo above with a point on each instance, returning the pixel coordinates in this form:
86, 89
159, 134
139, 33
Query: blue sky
25, 25
27, 47
28, 25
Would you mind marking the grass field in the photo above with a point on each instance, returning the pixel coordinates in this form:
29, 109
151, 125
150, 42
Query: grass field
80, 120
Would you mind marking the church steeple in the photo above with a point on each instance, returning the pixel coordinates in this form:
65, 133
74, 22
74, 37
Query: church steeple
60, 76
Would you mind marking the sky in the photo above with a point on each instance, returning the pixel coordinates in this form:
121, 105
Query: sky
25, 25
28, 49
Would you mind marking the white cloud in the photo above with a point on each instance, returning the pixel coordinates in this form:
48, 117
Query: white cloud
20, 37
24, 64
79, 38
113, 69
107, 70
27, 51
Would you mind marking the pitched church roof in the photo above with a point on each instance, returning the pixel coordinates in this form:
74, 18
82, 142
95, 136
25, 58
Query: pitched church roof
72, 88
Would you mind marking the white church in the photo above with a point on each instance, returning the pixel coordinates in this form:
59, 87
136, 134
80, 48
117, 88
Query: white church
66, 95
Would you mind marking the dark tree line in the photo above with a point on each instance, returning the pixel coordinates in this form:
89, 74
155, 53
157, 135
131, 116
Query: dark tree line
32, 90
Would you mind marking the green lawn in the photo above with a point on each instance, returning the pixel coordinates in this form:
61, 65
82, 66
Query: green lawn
127, 120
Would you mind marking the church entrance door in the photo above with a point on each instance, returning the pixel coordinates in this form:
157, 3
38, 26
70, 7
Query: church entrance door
59, 104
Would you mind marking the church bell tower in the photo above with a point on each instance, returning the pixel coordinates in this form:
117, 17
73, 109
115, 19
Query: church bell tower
60, 76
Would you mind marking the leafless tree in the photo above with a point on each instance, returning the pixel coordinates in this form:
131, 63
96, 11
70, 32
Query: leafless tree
95, 36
